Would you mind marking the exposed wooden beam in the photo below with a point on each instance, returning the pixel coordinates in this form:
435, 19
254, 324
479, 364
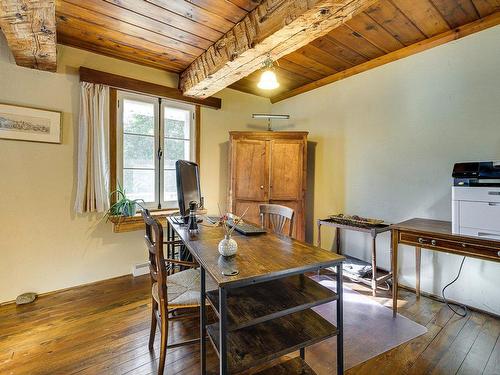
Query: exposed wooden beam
30, 29
275, 28
447, 36
135, 85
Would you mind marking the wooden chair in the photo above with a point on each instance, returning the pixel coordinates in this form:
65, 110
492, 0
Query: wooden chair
277, 217
171, 292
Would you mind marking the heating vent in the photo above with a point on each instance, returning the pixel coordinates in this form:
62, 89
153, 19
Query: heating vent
140, 269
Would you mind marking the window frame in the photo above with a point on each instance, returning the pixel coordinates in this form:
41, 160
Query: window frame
116, 139
121, 96
165, 103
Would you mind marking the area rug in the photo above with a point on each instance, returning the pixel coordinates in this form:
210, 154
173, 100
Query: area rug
369, 330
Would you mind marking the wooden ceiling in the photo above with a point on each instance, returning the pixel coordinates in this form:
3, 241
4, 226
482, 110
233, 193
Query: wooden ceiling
385, 27
165, 34
171, 34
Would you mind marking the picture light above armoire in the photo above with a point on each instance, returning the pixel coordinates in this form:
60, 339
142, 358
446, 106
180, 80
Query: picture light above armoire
270, 117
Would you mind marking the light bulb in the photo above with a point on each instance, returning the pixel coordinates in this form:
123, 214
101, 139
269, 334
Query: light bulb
268, 80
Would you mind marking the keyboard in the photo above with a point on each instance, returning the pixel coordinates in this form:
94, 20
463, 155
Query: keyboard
246, 228
243, 228
212, 219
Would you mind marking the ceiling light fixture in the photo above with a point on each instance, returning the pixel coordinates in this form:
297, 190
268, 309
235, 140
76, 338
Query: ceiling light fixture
268, 80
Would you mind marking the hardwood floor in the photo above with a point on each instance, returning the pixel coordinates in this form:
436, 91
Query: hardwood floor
103, 328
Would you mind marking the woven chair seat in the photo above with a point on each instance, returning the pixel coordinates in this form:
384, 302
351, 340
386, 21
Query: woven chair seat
183, 288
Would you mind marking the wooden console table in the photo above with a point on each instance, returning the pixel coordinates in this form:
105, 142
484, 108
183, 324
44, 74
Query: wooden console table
436, 235
269, 292
373, 231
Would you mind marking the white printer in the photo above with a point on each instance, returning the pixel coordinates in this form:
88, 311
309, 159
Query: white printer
476, 199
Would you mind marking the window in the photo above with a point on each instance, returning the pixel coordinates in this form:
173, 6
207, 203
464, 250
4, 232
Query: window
152, 134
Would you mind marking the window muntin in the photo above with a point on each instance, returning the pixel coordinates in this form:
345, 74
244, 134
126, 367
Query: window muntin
178, 143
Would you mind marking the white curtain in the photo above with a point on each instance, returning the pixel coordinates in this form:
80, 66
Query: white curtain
93, 149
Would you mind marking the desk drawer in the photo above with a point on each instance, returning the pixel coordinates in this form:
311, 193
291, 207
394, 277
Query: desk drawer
468, 248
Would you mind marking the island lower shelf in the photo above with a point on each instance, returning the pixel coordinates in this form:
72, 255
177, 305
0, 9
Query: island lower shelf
258, 303
295, 366
252, 346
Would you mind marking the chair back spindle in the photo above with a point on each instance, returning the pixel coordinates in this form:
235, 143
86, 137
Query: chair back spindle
276, 217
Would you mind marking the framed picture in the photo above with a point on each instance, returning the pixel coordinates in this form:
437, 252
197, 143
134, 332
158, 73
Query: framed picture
29, 124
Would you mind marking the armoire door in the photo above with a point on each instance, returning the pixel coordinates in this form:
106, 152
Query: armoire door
252, 211
250, 170
268, 167
287, 164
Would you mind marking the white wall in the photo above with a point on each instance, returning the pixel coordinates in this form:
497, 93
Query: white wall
44, 246
236, 115
387, 140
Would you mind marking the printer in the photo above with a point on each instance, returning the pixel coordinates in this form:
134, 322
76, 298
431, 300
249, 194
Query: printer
476, 199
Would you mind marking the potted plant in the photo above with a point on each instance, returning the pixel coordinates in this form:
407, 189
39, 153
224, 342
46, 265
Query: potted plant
123, 207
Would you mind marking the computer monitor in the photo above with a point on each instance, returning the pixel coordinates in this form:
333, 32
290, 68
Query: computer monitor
188, 185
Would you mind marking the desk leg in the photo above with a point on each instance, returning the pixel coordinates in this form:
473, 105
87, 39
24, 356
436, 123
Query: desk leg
223, 332
172, 238
394, 248
340, 322
319, 233
418, 252
169, 255
337, 238
203, 322
319, 245
374, 266
170, 247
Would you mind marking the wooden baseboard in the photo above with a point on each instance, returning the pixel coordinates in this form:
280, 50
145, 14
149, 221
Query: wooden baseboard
69, 288
440, 299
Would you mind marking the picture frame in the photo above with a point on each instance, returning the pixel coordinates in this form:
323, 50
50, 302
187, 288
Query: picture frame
30, 124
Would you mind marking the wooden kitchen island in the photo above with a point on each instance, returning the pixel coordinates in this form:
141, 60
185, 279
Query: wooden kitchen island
265, 310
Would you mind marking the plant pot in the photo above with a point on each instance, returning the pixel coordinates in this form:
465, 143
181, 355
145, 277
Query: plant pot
228, 247
129, 209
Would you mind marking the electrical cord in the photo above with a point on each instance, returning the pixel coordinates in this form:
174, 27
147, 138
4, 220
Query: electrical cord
386, 288
449, 304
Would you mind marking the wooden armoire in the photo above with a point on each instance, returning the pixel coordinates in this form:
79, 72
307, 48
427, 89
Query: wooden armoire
268, 167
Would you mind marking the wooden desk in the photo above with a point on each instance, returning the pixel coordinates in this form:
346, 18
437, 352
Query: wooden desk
373, 231
270, 292
436, 235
